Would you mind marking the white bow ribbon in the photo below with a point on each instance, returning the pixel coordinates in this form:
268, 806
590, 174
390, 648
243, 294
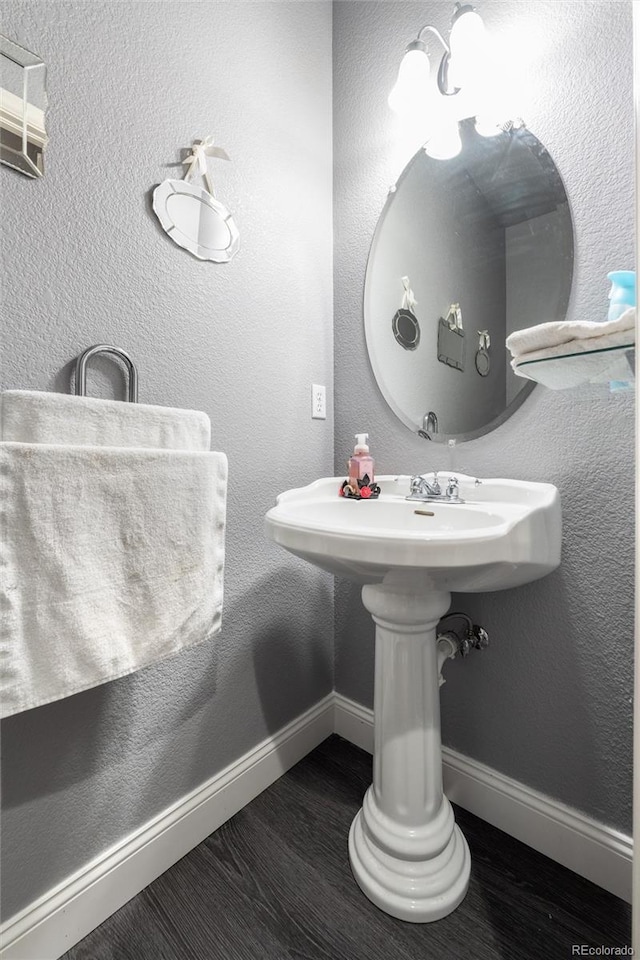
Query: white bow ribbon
485, 339
408, 299
197, 160
454, 317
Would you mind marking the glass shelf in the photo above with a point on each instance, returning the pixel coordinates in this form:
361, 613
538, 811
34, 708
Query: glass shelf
587, 366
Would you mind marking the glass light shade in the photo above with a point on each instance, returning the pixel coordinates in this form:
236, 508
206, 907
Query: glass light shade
468, 44
411, 89
467, 34
445, 142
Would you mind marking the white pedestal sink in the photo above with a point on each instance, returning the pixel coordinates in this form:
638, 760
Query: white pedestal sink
407, 854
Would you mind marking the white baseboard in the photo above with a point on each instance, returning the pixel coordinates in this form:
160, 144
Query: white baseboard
51, 925
591, 849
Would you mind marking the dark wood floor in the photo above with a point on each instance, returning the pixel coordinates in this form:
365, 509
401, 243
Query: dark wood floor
274, 883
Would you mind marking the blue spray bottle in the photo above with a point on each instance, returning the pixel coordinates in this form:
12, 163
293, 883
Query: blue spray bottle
623, 292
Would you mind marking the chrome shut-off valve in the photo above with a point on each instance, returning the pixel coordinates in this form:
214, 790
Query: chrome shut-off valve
456, 636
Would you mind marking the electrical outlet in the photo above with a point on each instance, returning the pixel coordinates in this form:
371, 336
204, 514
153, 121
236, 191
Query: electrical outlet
318, 402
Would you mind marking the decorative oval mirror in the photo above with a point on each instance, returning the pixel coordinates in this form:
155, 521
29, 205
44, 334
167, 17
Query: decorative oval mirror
196, 221
488, 232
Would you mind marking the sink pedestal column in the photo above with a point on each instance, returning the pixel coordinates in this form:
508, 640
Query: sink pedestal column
406, 852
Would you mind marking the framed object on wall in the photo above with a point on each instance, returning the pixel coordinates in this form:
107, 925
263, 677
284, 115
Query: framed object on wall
23, 101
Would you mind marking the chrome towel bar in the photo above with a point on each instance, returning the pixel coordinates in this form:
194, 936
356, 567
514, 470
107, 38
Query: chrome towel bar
81, 369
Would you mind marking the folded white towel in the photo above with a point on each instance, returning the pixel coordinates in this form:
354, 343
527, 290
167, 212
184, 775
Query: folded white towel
29, 416
579, 361
546, 335
111, 559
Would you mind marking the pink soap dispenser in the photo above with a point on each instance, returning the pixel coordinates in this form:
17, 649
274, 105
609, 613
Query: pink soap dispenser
361, 463
360, 484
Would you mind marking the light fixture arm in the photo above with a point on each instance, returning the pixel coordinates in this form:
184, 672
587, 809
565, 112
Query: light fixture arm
443, 69
436, 33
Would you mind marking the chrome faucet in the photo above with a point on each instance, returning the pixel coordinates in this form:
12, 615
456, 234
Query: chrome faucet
429, 425
422, 489
429, 489
430, 422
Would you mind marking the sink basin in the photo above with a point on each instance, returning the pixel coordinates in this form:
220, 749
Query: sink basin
506, 533
406, 852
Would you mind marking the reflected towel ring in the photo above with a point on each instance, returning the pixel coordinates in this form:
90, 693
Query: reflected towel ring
483, 362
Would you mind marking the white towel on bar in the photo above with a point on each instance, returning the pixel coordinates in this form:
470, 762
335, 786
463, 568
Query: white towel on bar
30, 416
546, 335
111, 559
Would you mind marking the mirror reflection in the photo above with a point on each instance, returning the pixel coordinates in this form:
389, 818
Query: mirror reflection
487, 240
196, 220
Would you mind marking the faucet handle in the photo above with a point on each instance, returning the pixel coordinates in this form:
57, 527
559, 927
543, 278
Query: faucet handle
453, 488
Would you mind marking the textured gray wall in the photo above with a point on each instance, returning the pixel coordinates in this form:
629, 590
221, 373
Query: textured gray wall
85, 261
550, 702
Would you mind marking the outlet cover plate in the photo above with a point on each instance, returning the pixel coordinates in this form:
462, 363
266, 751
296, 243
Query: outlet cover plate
318, 402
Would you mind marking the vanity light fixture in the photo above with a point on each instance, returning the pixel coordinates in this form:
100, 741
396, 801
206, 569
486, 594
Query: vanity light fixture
463, 58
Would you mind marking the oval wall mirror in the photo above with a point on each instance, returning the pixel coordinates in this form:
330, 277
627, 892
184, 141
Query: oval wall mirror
490, 233
196, 221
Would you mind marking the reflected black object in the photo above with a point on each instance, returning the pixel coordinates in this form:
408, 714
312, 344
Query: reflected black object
450, 345
406, 329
